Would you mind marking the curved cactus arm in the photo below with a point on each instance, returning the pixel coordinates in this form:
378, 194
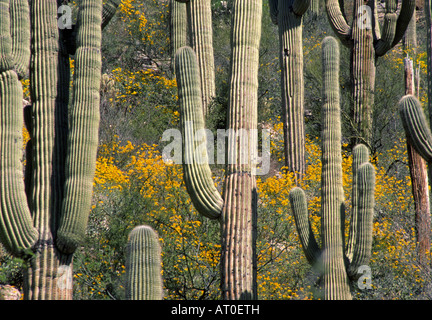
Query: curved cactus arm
83, 128
197, 174
16, 224
309, 244
337, 21
416, 126
300, 7
394, 26
389, 29
108, 11
360, 156
6, 58
20, 34
143, 265
364, 225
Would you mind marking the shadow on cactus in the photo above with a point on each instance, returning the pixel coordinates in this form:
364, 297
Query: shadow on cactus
337, 261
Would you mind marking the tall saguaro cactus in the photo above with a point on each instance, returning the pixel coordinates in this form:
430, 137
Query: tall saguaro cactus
367, 41
336, 264
45, 215
236, 210
288, 15
143, 265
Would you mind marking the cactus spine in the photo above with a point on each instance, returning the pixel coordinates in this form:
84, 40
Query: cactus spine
48, 213
143, 265
237, 209
367, 42
332, 258
288, 15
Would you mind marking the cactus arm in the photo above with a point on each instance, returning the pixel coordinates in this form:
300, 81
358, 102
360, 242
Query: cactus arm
364, 225
20, 34
108, 11
360, 156
394, 26
416, 127
404, 18
300, 7
309, 244
6, 58
84, 124
337, 21
143, 265
16, 225
197, 173
389, 29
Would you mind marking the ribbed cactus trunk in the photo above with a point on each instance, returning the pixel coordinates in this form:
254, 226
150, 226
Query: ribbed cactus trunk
332, 195
143, 265
336, 264
367, 42
178, 26
44, 217
362, 73
240, 208
289, 17
237, 210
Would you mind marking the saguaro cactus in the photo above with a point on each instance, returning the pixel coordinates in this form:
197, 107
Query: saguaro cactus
143, 265
236, 211
288, 15
367, 43
336, 264
200, 30
45, 216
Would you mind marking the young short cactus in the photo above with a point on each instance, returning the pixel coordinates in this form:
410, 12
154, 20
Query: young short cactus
46, 214
288, 15
336, 265
237, 209
143, 265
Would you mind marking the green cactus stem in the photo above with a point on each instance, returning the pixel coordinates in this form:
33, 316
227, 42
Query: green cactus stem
178, 27
143, 265
337, 265
367, 41
237, 211
288, 15
197, 173
200, 30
